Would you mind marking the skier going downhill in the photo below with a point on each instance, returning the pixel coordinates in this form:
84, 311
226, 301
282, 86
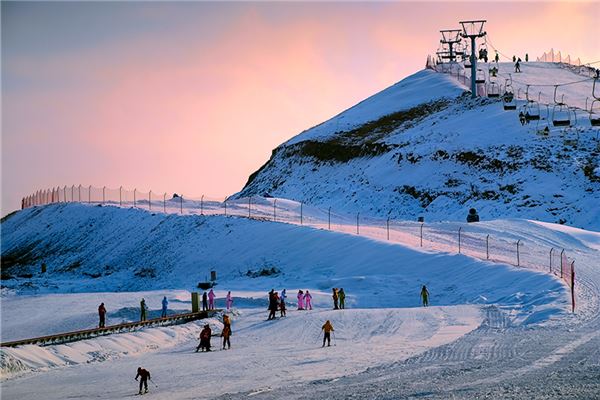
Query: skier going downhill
327, 328
425, 296
165, 306
101, 315
308, 300
144, 375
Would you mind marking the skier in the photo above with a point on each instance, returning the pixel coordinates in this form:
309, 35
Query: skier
307, 300
514, 58
229, 301
425, 296
282, 305
300, 300
496, 57
102, 315
143, 310
518, 66
211, 300
204, 302
526, 57
335, 299
283, 295
205, 335
165, 305
342, 297
272, 304
226, 332
144, 375
327, 328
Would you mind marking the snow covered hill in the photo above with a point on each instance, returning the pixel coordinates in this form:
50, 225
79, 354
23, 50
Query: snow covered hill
423, 147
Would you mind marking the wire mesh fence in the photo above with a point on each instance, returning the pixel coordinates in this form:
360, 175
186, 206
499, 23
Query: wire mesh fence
452, 237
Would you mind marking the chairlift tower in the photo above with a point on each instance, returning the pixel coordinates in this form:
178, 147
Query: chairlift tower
473, 30
450, 37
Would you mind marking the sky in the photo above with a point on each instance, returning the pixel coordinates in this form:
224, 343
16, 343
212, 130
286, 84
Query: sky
191, 97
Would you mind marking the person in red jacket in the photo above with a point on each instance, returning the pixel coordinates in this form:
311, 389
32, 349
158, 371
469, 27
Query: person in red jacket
102, 315
144, 375
204, 339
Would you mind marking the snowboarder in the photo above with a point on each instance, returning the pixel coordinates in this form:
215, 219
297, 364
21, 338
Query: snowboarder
473, 216
228, 301
327, 328
518, 65
307, 300
226, 332
496, 57
335, 299
102, 315
300, 300
143, 310
144, 375
272, 304
165, 305
211, 300
425, 296
342, 297
282, 306
204, 302
205, 335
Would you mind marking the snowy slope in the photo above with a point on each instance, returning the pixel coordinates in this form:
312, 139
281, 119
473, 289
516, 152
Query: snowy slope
442, 153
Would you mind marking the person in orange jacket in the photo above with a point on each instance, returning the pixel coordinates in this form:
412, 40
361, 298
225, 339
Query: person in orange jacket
327, 328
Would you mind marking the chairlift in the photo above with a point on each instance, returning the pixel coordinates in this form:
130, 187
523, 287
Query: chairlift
480, 76
594, 115
493, 90
508, 98
545, 131
561, 114
531, 109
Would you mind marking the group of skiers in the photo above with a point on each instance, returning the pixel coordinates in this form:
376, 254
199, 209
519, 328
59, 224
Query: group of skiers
206, 334
339, 297
208, 300
277, 301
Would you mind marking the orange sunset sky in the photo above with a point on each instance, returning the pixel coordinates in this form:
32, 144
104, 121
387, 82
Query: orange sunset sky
191, 97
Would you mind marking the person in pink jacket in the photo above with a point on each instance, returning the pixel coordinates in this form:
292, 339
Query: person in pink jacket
307, 300
211, 300
300, 300
228, 300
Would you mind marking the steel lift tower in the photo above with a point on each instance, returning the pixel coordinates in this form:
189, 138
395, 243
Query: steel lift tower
473, 30
450, 37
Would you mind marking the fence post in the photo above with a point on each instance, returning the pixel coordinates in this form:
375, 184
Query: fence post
551, 250
150, 200
73, 193
181, 204
103, 195
387, 224
357, 225
249, 206
301, 214
65, 193
165, 203
561, 263
134, 199
573, 286
90, 194
421, 234
518, 260
225, 205
487, 247
120, 196
329, 218
79, 190
202, 205
459, 229
274, 210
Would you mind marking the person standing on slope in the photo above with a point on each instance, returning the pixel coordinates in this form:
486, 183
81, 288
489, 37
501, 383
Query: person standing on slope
165, 306
335, 299
300, 300
101, 315
308, 300
144, 375
425, 296
205, 335
204, 301
272, 304
143, 310
211, 300
342, 297
282, 305
226, 332
327, 328
283, 295
229, 301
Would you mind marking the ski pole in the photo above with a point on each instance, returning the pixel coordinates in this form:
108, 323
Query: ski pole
334, 341
154, 383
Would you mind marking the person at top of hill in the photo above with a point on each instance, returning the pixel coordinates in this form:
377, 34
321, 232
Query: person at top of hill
327, 328
143, 310
226, 332
165, 306
518, 65
308, 300
335, 299
342, 296
514, 58
425, 296
205, 335
211, 300
101, 315
144, 375
228, 300
496, 57
526, 57
300, 300
472, 216
204, 301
